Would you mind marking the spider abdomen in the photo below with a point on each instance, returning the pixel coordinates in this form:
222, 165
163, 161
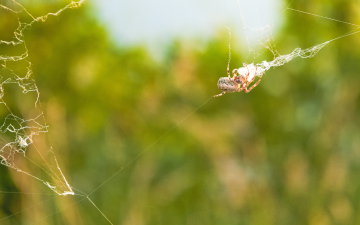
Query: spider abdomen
227, 84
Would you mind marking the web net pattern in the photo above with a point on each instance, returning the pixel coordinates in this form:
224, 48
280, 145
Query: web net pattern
23, 127
281, 60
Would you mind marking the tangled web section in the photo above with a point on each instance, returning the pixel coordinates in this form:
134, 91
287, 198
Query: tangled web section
260, 68
23, 143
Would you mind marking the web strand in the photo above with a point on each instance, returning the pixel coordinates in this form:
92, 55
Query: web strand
162, 136
298, 52
18, 132
323, 17
24, 133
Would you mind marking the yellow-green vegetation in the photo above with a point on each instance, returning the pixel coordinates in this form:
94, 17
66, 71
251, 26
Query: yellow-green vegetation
286, 153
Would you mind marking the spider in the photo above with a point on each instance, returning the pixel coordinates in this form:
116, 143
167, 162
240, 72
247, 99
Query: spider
241, 80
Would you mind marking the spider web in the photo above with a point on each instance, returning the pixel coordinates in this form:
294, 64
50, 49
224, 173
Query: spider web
23, 126
258, 69
298, 52
23, 144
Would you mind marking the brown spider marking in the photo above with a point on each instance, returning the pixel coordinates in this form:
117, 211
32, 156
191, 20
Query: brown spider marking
242, 79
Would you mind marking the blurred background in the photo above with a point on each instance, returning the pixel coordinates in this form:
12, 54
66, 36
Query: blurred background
125, 89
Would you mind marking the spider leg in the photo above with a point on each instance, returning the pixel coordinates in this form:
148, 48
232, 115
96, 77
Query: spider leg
218, 95
244, 83
228, 70
235, 72
248, 89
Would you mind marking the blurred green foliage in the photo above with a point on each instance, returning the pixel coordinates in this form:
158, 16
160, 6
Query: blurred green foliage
286, 153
